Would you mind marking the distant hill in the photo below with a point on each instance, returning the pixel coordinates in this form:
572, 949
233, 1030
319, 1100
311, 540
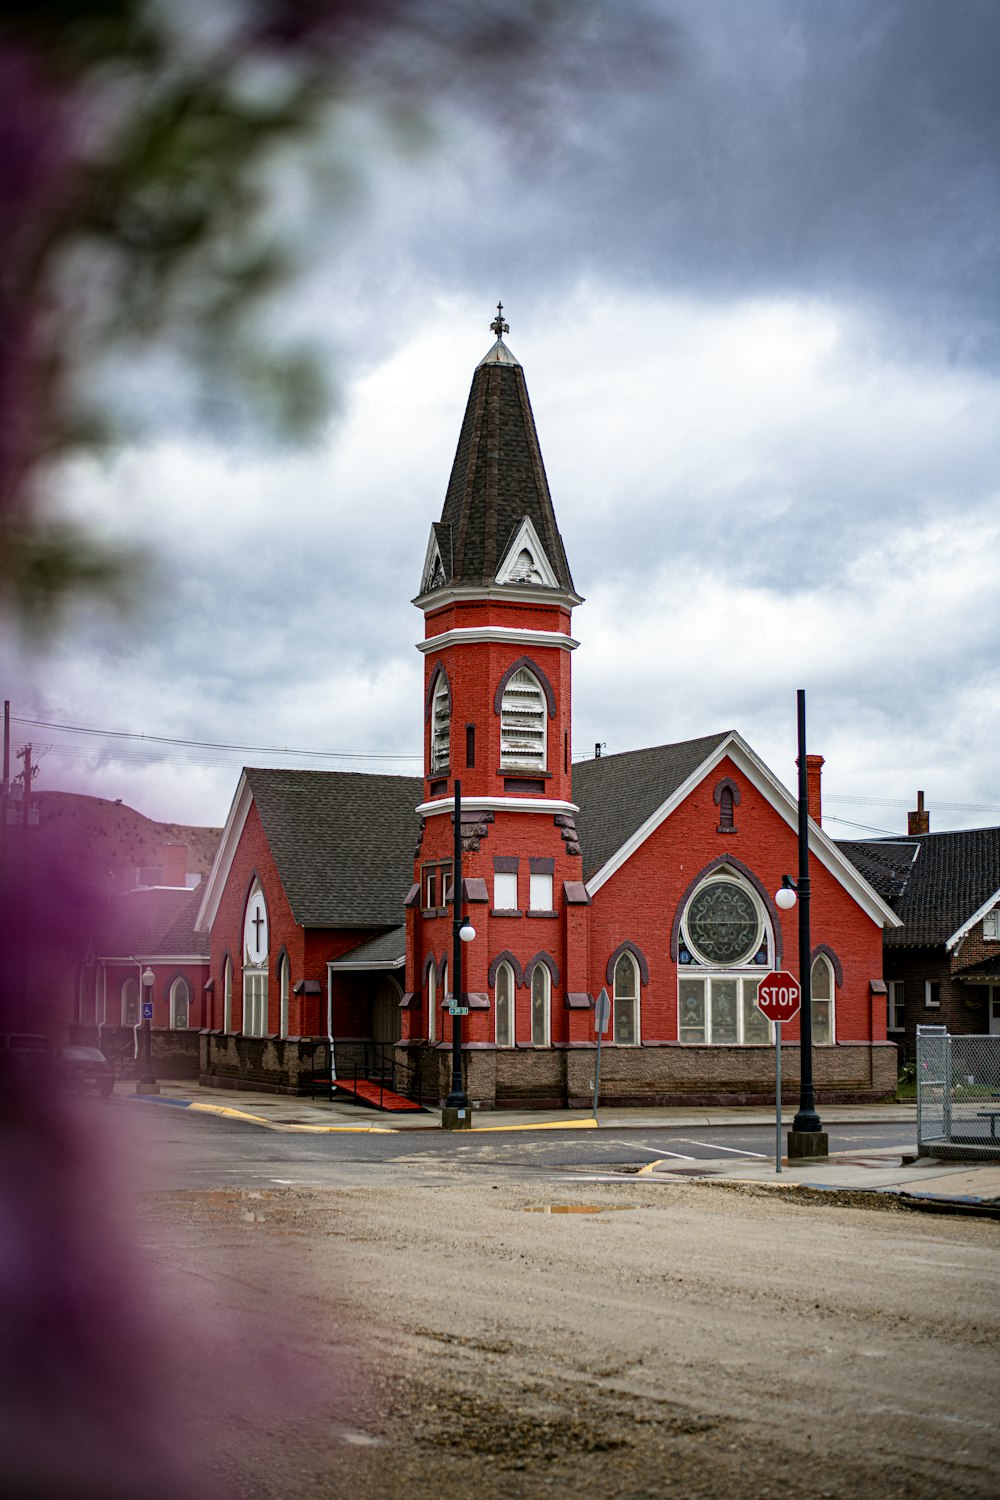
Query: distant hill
114, 841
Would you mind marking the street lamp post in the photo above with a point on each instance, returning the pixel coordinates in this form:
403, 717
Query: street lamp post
807, 1138
147, 1083
457, 1114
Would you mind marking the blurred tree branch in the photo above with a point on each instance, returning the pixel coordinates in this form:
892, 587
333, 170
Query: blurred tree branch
134, 199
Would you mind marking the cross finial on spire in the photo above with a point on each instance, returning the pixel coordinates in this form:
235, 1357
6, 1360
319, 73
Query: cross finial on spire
498, 326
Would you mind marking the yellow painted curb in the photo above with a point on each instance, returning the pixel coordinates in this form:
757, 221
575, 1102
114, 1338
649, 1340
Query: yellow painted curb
553, 1125
648, 1169
240, 1114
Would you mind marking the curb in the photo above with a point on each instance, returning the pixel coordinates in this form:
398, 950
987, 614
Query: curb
276, 1125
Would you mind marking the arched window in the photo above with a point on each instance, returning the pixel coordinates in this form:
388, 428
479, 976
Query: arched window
441, 726
283, 987
626, 1002
180, 1004
541, 995
522, 723
227, 995
725, 949
431, 1003
822, 1000
726, 809
503, 1005
130, 1002
255, 948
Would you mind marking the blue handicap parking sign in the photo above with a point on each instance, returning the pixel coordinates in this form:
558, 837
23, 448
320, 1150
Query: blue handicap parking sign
147, 1010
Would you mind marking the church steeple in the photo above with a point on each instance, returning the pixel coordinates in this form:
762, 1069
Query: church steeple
498, 526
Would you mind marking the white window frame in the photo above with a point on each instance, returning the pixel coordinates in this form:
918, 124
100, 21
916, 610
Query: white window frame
505, 979
254, 1002
175, 990
227, 995
746, 991
540, 892
284, 985
991, 926
440, 752
523, 724
505, 891
929, 1002
540, 977
822, 965
127, 988
895, 1019
626, 962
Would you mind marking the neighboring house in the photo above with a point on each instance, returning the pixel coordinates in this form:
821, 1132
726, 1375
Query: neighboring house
651, 873
942, 967
149, 929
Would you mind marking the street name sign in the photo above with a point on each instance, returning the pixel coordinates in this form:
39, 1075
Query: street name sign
458, 1010
779, 995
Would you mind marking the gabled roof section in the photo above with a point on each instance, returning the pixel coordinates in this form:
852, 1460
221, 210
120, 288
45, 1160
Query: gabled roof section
525, 560
951, 883
497, 479
152, 921
623, 799
616, 794
342, 841
387, 951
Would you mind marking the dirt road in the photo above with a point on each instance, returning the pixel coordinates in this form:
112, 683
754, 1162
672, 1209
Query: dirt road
689, 1340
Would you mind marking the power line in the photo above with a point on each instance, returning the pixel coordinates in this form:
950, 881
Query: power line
163, 739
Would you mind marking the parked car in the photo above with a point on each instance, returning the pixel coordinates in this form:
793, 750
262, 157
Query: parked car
83, 1068
24, 1048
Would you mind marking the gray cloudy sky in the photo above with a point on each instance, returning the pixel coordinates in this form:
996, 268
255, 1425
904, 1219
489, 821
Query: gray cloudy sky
756, 299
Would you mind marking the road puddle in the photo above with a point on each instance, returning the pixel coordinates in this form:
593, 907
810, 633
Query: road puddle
584, 1208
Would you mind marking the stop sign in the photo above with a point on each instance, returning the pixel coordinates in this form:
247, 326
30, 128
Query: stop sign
778, 995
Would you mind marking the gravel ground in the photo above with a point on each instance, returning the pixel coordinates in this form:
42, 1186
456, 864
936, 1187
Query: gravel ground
470, 1339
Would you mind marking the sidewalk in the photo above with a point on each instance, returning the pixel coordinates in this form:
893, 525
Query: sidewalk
972, 1185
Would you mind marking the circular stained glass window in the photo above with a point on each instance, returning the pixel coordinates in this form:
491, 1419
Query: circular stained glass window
723, 925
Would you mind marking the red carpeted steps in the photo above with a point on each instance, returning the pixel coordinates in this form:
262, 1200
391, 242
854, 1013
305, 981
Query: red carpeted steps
378, 1096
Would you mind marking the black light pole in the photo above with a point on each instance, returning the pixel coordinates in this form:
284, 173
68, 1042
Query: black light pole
807, 1136
456, 1114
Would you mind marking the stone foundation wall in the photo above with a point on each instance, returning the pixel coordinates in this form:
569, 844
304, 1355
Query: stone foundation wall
564, 1077
175, 1054
280, 1065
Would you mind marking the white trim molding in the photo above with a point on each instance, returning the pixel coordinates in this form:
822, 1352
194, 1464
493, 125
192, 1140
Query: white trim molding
497, 804
358, 965
970, 922
504, 635
225, 854
460, 593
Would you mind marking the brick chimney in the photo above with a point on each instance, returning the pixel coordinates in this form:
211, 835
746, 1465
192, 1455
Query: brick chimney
175, 864
918, 821
814, 795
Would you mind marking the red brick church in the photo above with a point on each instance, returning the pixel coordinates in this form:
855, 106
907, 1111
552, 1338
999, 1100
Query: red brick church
650, 873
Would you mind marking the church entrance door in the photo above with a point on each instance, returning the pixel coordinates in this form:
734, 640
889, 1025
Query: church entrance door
386, 1020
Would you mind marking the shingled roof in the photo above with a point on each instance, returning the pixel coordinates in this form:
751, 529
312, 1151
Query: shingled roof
158, 919
948, 877
342, 840
617, 793
497, 479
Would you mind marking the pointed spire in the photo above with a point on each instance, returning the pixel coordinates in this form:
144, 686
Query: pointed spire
497, 481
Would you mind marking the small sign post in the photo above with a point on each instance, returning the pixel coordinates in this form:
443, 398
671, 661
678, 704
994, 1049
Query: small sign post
779, 996
147, 1010
602, 1017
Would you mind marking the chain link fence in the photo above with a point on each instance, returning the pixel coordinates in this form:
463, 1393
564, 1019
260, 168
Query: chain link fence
958, 1094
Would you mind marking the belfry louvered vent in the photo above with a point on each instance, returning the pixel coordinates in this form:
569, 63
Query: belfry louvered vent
522, 724
441, 727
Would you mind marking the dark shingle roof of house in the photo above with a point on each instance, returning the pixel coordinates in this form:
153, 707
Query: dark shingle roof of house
617, 793
497, 479
949, 877
156, 920
388, 947
343, 842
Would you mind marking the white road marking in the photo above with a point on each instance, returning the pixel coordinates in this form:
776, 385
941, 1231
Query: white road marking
714, 1146
649, 1150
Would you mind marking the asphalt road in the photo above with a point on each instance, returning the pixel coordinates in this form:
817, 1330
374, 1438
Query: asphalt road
190, 1150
